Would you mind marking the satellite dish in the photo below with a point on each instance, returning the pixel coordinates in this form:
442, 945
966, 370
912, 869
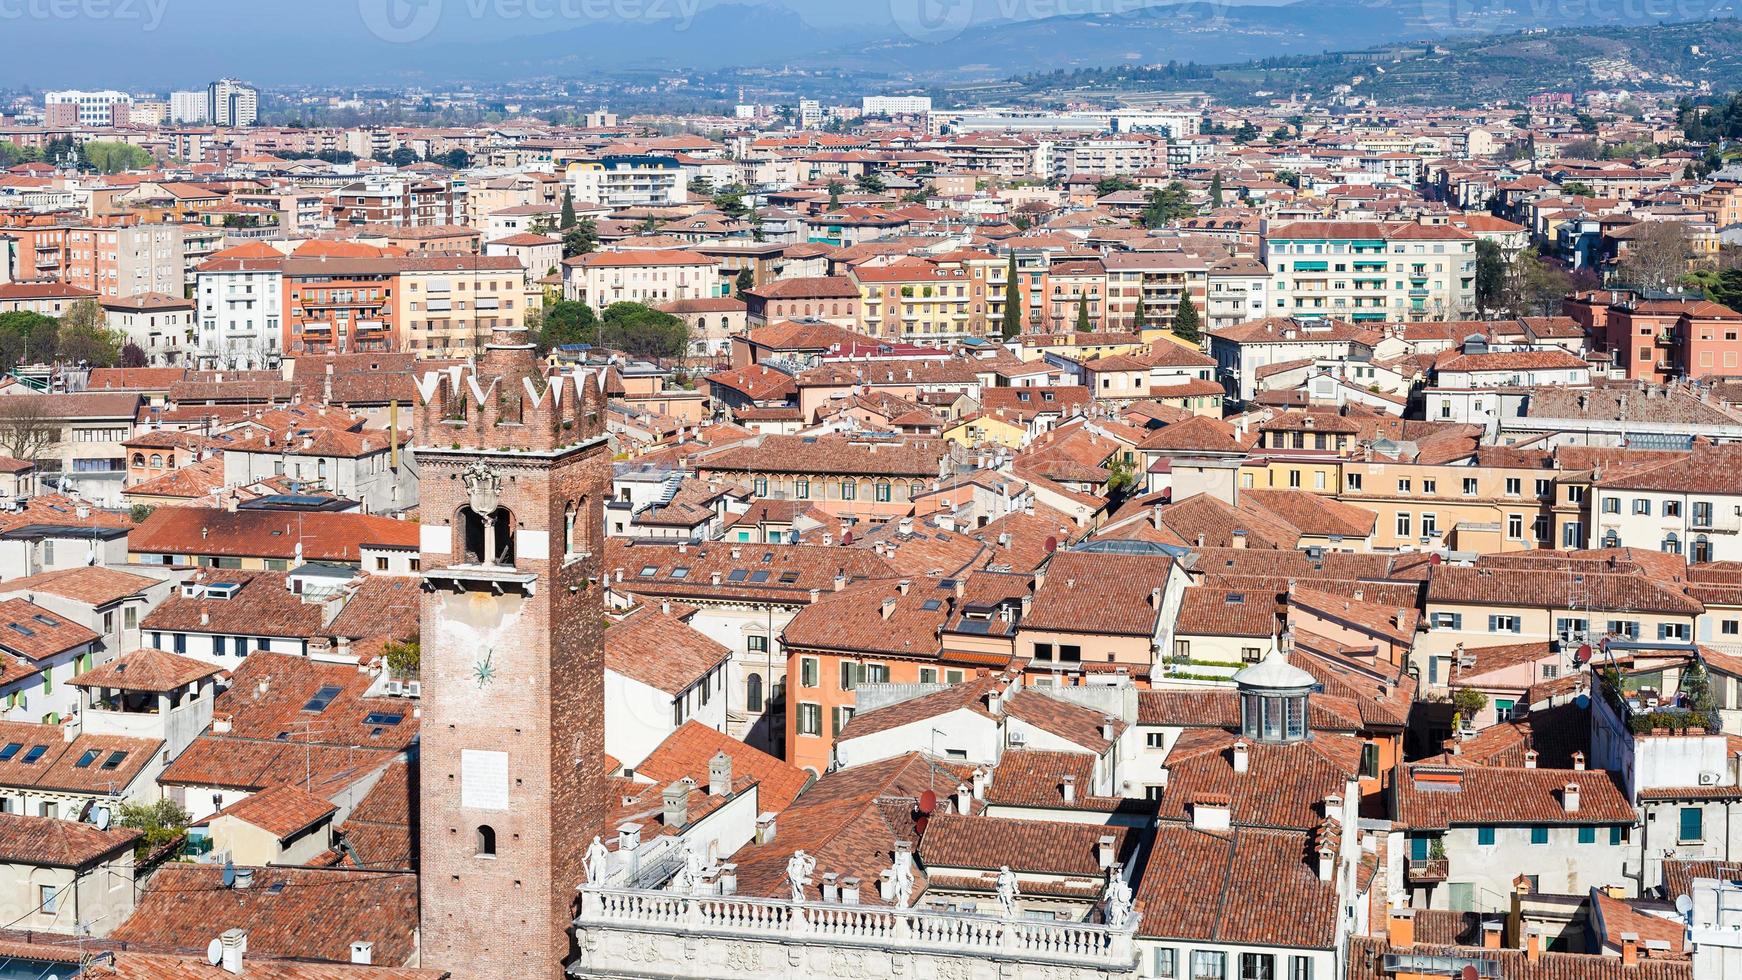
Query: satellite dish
1468, 972
1052, 544
928, 801
1435, 558
846, 537
1583, 701
229, 875
1584, 654
1685, 905
214, 952
102, 820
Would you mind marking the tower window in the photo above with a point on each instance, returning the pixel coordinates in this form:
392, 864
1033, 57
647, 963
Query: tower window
486, 841
487, 540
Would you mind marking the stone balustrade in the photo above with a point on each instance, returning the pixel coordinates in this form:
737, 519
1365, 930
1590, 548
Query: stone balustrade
793, 931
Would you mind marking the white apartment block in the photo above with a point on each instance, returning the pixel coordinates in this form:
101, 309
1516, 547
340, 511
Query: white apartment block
232, 103
630, 181
1371, 272
239, 313
93, 108
187, 107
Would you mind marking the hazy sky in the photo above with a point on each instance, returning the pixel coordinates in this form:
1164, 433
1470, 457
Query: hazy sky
147, 43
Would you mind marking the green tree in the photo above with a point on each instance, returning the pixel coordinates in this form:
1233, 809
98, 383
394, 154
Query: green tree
1167, 205
1577, 188
1113, 185
835, 189
1185, 320
404, 657
568, 214
1490, 275
161, 822
1121, 477
582, 239
1696, 688
1140, 320
730, 202
746, 280
25, 337
454, 159
113, 158
567, 322
1083, 325
402, 157
1216, 189
85, 338
1534, 286
1011, 325
642, 331
870, 183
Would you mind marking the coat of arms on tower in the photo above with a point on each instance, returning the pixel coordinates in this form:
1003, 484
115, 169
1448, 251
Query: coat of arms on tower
484, 486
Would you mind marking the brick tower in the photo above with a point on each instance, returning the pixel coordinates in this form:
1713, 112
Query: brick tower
515, 471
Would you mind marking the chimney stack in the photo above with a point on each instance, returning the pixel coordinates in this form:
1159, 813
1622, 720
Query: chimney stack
1400, 928
1070, 789
1630, 949
676, 801
1579, 761
232, 946
1105, 850
363, 952
1570, 798
964, 799
1530, 757
720, 775
1240, 760
1533, 944
1491, 934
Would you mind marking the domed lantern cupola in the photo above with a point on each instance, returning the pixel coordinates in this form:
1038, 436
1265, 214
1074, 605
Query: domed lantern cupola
1273, 700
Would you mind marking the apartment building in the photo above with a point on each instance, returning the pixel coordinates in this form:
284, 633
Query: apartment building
650, 276
230, 102
1688, 505
1235, 291
1156, 280
1663, 339
630, 181
918, 301
240, 321
71, 107
1371, 272
160, 325
400, 202
121, 261
335, 305
447, 305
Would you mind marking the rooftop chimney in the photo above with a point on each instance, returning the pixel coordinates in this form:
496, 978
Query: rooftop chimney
888, 607
1070, 789
1530, 757
765, 828
840, 580
676, 802
1570, 798
232, 947
965, 798
1579, 761
1491, 934
1105, 851
1240, 761
363, 952
1400, 928
1533, 944
1630, 949
720, 775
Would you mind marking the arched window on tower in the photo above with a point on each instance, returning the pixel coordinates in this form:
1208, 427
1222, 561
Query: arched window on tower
486, 841
487, 540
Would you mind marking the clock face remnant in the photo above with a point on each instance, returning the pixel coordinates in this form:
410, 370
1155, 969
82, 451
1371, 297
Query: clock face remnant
485, 669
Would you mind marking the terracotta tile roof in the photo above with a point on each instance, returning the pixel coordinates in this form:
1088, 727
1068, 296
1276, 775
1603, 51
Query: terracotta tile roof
1071, 722
51, 842
280, 810
1284, 785
146, 670
378, 829
1027, 846
378, 609
271, 695
879, 617
134, 965
778, 572
849, 821
912, 458
1432, 797
661, 650
1679, 875
970, 696
1598, 591
687, 751
30, 631
1189, 709
1086, 592
1311, 513
1034, 778
45, 759
1367, 956
261, 606
265, 534
1197, 434
289, 912
1245, 887
1227, 609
